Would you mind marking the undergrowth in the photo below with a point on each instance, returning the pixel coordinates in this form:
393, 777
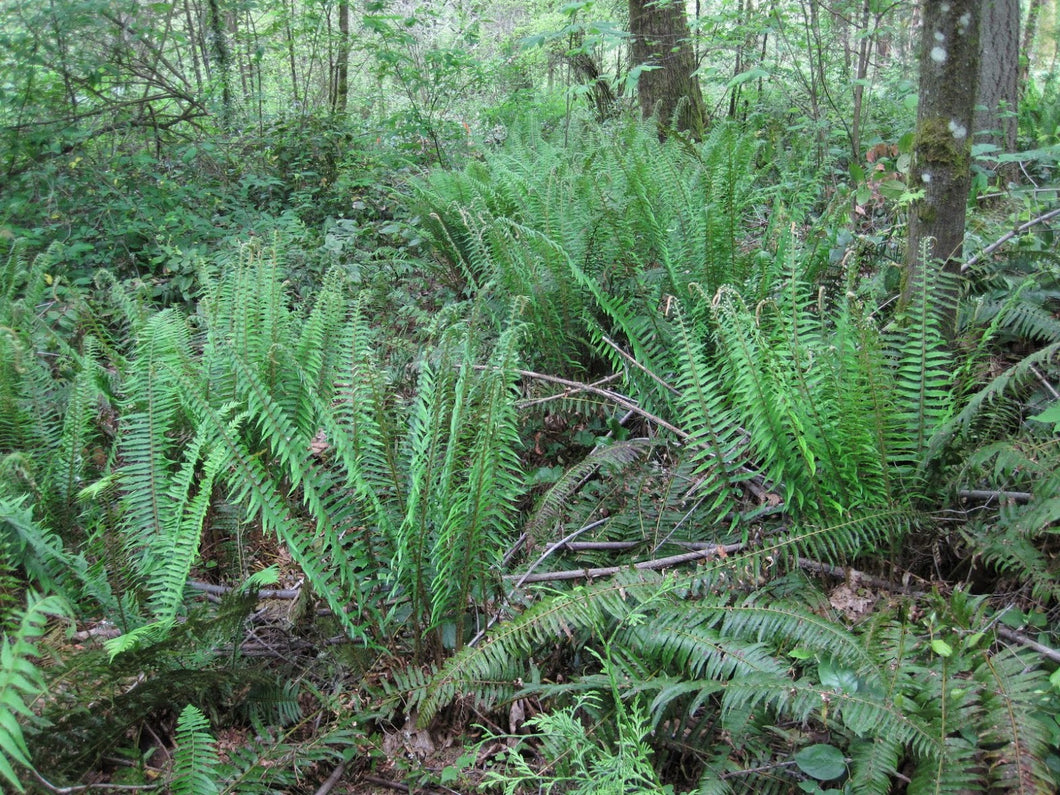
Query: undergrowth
597, 501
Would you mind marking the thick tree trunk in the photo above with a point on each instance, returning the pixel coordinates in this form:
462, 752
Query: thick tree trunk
949, 69
662, 41
999, 41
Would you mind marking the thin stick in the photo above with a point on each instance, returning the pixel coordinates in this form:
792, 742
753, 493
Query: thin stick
331, 780
986, 252
1045, 382
569, 391
552, 548
611, 395
89, 787
644, 565
382, 782
639, 366
1018, 497
588, 546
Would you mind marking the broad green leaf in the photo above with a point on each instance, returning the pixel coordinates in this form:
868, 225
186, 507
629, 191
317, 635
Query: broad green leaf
822, 762
941, 648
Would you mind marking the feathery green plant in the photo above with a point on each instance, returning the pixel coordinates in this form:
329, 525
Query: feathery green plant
713, 664
195, 759
21, 679
642, 218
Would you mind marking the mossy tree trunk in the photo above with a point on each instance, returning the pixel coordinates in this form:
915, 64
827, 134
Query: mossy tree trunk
949, 69
221, 58
669, 87
341, 81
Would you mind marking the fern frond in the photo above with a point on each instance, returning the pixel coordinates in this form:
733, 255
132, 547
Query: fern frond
480, 517
707, 416
556, 500
146, 445
923, 378
1015, 737
195, 759
21, 679
36, 549
955, 428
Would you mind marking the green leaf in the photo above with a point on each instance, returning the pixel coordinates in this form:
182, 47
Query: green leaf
822, 762
1051, 416
835, 677
892, 189
743, 77
941, 647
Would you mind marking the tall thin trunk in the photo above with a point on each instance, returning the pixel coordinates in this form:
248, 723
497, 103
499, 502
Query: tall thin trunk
864, 50
1030, 31
193, 37
734, 95
222, 58
342, 60
292, 62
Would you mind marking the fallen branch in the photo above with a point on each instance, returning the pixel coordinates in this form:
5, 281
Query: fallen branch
1023, 640
644, 565
986, 252
856, 576
264, 593
332, 780
984, 495
590, 546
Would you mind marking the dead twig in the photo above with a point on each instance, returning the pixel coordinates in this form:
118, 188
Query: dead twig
332, 780
986, 252
985, 495
644, 565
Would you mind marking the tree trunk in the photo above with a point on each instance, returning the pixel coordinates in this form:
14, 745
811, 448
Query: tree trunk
949, 69
669, 87
601, 97
221, 57
864, 50
1029, 34
342, 60
999, 40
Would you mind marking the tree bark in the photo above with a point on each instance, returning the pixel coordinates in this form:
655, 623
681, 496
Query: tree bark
342, 60
999, 41
949, 70
222, 58
601, 97
669, 87
1030, 31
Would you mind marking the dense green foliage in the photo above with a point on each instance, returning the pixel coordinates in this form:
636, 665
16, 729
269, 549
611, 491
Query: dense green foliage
349, 416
